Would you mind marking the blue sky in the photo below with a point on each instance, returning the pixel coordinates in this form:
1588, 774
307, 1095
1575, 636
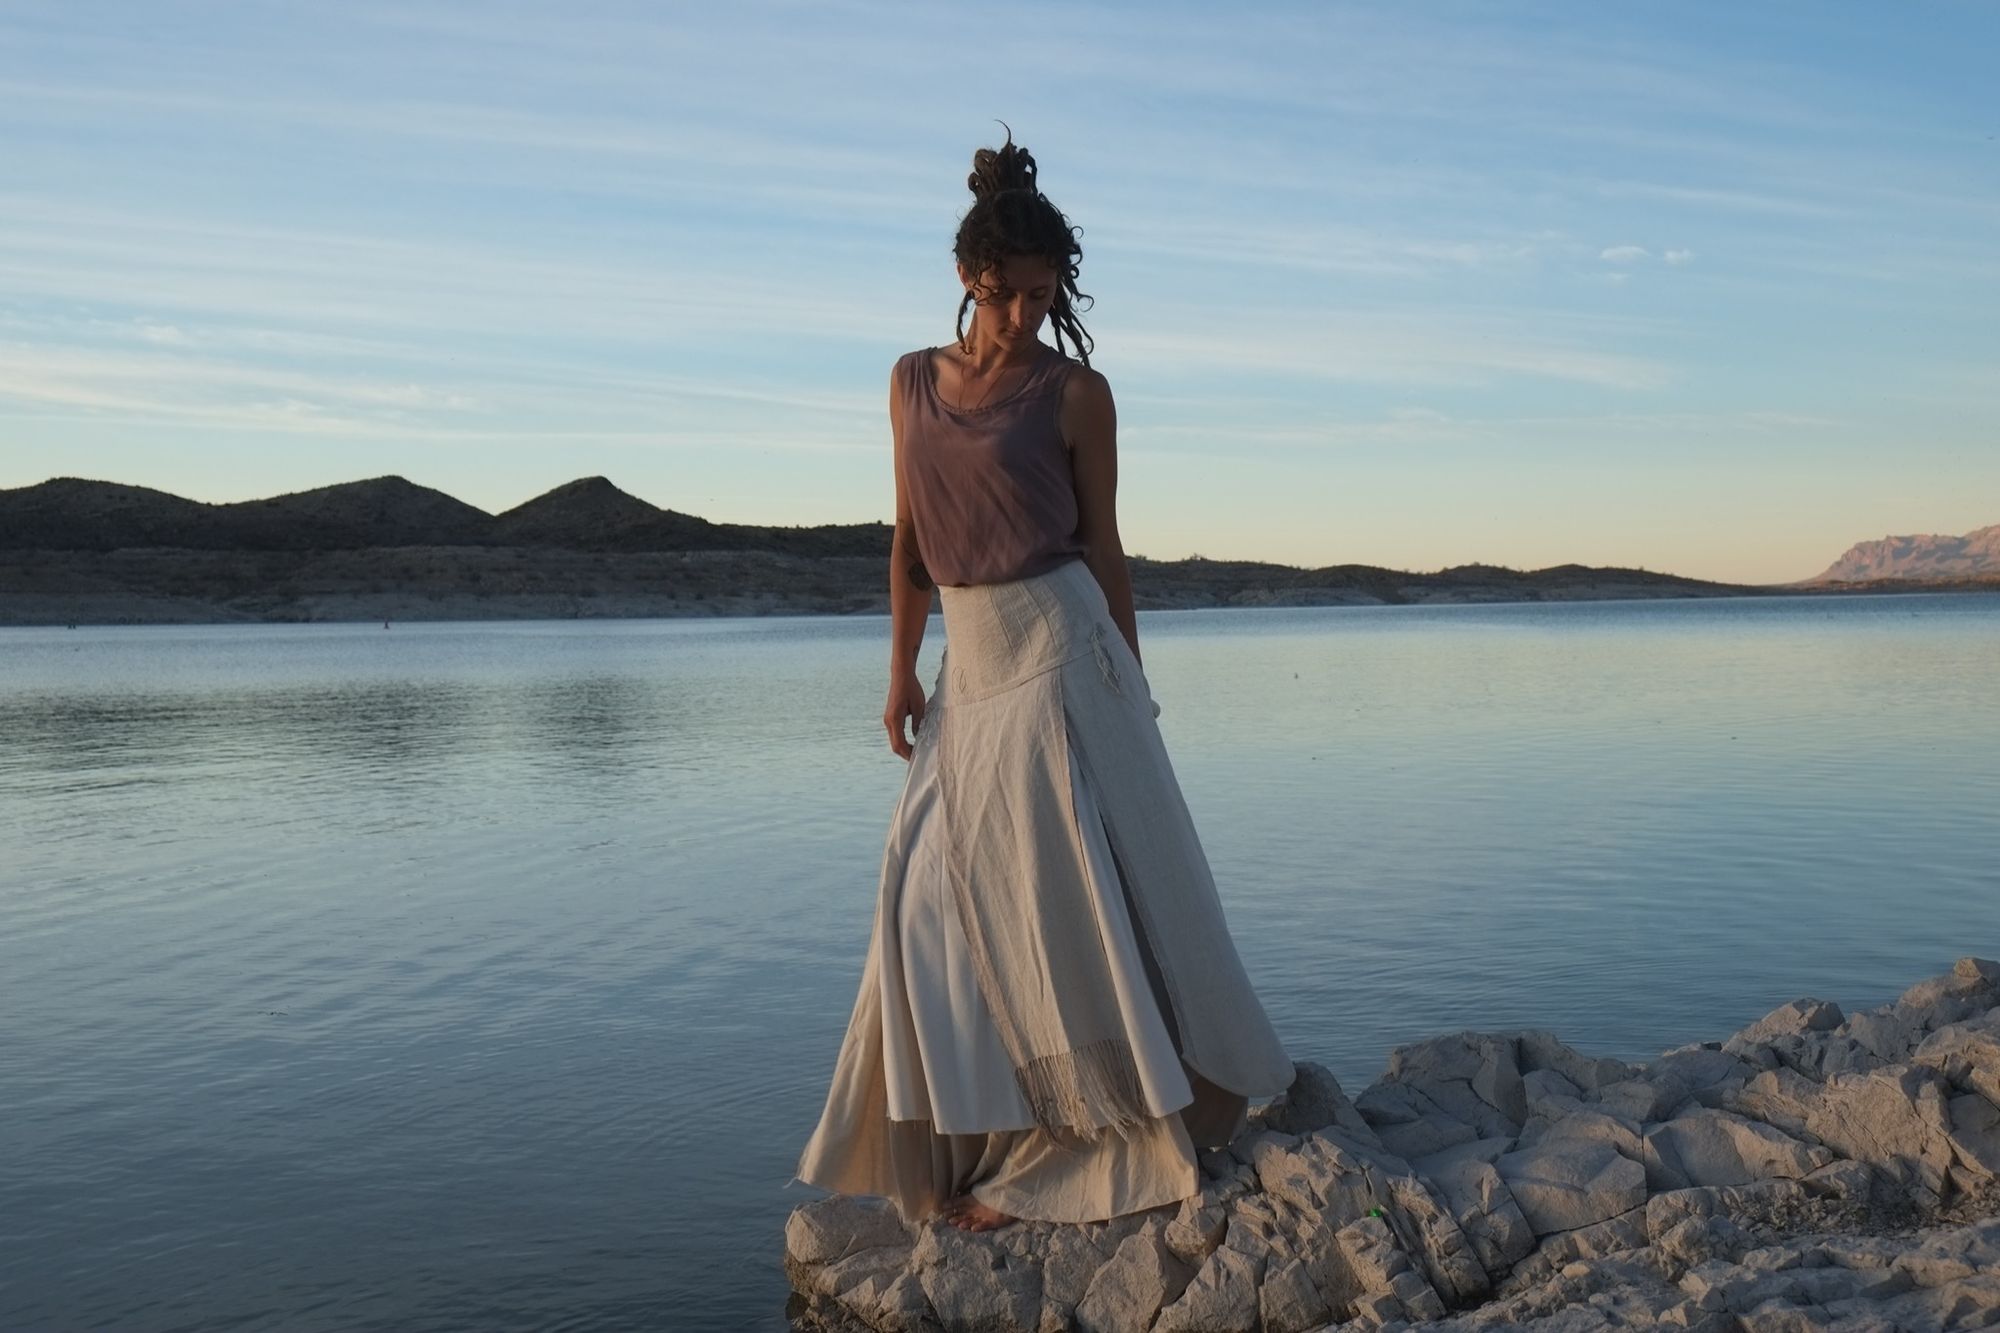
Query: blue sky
1707, 288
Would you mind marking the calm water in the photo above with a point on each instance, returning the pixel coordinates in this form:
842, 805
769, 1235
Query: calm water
489, 976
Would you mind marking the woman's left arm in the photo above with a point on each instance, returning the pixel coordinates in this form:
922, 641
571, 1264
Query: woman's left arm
1089, 420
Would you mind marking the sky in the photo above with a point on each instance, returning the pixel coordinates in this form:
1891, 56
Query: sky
1707, 288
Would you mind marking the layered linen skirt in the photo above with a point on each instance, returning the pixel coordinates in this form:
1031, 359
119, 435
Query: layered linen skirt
1039, 760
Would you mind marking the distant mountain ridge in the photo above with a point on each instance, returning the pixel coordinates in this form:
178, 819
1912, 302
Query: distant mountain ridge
1918, 556
589, 514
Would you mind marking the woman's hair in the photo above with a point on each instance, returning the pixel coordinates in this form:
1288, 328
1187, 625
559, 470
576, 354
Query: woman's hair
1010, 216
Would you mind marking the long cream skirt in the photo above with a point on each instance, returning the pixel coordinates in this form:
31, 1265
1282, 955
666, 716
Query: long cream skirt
924, 1103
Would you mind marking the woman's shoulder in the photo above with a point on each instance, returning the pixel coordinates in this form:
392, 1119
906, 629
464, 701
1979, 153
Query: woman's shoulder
911, 368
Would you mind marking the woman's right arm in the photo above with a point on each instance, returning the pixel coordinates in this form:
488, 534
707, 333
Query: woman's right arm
909, 601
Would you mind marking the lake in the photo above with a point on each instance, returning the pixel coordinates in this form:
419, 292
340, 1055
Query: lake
489, 976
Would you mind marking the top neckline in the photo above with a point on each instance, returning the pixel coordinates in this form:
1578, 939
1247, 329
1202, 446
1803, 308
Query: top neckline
930, 382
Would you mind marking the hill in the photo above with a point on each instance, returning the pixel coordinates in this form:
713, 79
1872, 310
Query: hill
1921, 556
589, 514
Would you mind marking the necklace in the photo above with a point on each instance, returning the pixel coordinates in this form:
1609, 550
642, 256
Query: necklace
990, 387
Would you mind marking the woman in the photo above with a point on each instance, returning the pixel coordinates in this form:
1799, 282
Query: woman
1052, 1016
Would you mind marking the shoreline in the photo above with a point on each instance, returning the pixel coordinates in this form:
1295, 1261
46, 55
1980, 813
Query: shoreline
168, 585
1815, 1169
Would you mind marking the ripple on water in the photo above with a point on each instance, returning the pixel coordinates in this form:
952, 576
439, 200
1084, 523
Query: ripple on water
493, 977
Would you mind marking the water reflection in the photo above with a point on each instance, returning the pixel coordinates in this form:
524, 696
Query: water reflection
478, 976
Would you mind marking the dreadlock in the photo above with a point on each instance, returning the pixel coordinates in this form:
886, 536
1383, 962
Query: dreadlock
1011, 216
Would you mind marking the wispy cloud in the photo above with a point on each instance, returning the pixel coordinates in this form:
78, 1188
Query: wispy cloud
422, 222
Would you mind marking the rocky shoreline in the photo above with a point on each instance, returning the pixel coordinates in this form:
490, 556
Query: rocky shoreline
1815, 1170
171, 585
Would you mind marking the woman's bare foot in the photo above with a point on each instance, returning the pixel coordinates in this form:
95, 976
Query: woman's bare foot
969, 1214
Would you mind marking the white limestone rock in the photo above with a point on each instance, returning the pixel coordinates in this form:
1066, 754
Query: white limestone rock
1695, 1240
1893, 1118
1288, 1302
1559, 1192
1650, 1096
974, 1283
1589, 1125
1314, 1101
1470, 1077
1614, 1235
1807, 1015
1550, 1094
1482, 1204
1142, 1278
1222, 1297
1710, 1147
829, 1229
1967, 1054
1425, 1135
1539, 1050
1572, 1183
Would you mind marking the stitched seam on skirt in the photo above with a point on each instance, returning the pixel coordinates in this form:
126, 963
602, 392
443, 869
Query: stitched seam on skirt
984, 975
969, 695
1176, 994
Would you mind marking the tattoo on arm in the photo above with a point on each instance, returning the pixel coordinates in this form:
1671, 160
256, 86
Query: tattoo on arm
919, 576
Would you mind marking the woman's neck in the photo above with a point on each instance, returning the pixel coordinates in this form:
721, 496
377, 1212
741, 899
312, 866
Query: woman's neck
988, 354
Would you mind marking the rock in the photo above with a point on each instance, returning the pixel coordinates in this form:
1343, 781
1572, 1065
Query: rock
1314, 1101
1707, 1072
1430, 1234
1141, 1279
1696, 1239
1470, 1077
1482, 1204
1975, 1133
1818, 1054
1758, 1200
1842, 1179
1326, 1175
829, 1229
1970, 1302
1643, 1098
1225, 1174
1197, 1229
1894, 1119
843, 1275
1708, 1147
973, 1283
1373, 1256
898, 1306
1417, 1297
1069, 1261
1550, 1095
1288, 1302
1571, 1183
1894, 1031
1538, 1050
1425, 1135
1589, 1125
1627, 1231
1817, 1174
1798, 1016
1222, 1297
1967, 1054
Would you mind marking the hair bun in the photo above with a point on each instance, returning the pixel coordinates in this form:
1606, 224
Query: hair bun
1009, 167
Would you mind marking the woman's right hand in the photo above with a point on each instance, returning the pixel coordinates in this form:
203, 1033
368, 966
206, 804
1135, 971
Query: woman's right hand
906, 700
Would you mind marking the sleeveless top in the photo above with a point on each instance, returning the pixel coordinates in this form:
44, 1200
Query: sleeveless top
990, 490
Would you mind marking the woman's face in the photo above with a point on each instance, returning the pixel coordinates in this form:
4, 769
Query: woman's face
1014, 298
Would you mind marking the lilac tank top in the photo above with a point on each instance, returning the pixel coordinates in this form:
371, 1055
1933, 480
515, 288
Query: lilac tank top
990, 490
